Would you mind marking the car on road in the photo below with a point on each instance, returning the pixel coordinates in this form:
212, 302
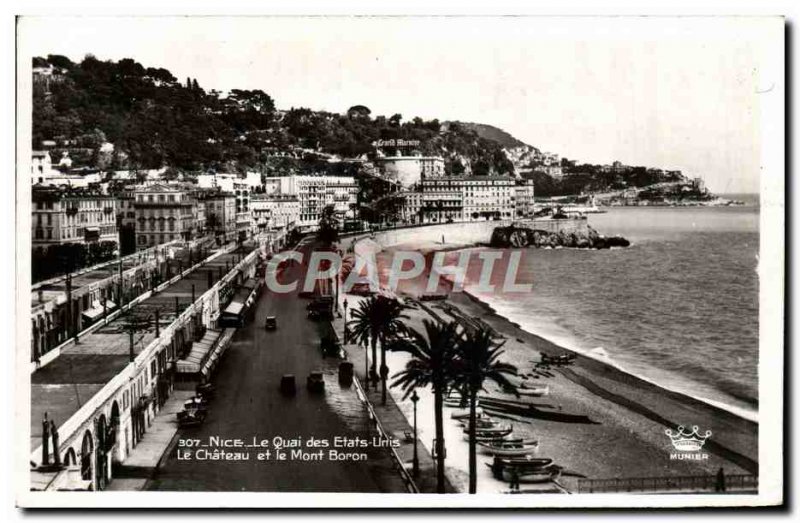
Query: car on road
315, 383
320, 314
288, 386
271, 323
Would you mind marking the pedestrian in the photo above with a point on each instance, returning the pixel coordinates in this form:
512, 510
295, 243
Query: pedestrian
720, 483
514, 473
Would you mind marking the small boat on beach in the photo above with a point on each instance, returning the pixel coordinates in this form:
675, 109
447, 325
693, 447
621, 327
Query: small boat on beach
543, 475
489, 435
528, 470
481, 436
457, 403
535, 391
508, 448
461, 414
524, 462
485, 422
561, 359
497, 428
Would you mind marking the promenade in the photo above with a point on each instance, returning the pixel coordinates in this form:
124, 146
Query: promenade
81, 369
142, 463
56, 288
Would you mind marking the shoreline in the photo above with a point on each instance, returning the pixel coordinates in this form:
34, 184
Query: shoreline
627, 415
428, 248
737, 412
668, 408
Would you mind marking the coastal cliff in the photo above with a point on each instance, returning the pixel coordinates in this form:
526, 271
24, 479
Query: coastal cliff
588, 238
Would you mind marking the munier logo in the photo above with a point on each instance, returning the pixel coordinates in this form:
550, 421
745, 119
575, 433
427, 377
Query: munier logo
688, 443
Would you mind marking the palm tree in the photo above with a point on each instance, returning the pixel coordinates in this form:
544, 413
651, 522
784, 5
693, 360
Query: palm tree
478, 361
375, 320
432, 363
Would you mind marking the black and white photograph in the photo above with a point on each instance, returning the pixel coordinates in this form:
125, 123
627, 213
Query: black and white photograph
399, 261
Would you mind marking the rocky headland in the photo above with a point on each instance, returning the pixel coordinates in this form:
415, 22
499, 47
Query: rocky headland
511, 236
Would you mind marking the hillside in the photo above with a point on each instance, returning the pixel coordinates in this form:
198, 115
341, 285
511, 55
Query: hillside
492, 133
123, 115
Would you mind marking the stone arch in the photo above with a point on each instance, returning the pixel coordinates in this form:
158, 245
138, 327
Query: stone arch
101, 454
70, 458
87, 451
115, 432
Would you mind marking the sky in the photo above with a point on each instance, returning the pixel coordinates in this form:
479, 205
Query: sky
678, 93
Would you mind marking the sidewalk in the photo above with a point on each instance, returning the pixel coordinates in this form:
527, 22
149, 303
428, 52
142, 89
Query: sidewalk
396, 424
136, 471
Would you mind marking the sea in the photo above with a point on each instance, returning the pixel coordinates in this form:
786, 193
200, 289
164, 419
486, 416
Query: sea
679, 307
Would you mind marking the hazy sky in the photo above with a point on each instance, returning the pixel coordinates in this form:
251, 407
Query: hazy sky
672, 93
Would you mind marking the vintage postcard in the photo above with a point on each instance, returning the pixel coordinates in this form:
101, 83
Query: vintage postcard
400, 261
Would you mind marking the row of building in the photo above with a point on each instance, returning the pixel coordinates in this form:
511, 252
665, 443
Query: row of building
150, 212
153, 213
467, 198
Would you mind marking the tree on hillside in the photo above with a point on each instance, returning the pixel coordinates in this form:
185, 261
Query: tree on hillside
358, 111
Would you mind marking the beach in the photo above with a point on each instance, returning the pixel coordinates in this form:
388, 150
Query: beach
624, 436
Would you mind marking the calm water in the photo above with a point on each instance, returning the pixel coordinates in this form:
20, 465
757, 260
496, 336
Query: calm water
679, 307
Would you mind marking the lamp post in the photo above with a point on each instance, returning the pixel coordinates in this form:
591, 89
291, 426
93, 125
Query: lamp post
415, 461
344, 334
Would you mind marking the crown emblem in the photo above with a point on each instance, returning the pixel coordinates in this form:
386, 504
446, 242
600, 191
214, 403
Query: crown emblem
687, 441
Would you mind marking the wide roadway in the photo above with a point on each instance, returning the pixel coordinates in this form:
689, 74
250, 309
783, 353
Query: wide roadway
248, 404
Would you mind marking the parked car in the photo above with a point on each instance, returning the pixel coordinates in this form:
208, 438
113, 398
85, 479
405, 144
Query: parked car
206, 390
320, 314
329, 346
288, 386
315, 383
271, 323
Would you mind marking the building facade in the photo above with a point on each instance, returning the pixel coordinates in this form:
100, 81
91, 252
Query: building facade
442, 200
315, 192
409, 170
73, 216
220, 213
271, 212
523, 198
411, 211
163, 213
41, 166
469, 198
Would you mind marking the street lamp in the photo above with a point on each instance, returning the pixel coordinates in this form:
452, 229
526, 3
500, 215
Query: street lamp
415, 461
344, 334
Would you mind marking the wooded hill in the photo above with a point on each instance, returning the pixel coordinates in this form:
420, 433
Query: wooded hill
154, 120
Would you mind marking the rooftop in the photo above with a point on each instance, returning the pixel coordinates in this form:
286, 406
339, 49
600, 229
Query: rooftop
81, 370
